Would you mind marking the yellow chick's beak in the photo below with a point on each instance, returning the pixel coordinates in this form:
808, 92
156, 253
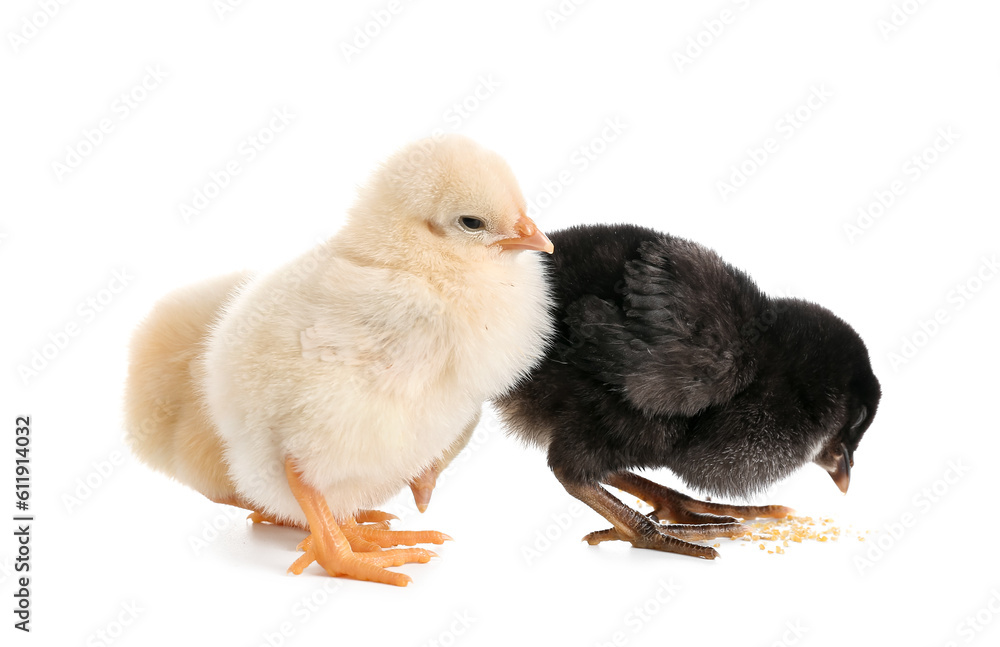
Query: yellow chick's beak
529, 236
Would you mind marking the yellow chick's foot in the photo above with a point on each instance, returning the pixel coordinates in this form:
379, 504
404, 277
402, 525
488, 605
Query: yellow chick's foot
330, 548
388, 538
256, 516
374, 516
358, 544
363, 566
263, 517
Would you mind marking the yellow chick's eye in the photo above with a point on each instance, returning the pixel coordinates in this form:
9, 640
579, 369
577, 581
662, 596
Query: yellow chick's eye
470, 223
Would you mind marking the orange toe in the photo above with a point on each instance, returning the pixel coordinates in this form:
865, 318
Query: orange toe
358, 543
262, 517
388, 538
330, 546
374, 516
361, 566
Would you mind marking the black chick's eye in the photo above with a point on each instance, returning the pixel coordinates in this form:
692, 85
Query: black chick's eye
472, 224
861, 417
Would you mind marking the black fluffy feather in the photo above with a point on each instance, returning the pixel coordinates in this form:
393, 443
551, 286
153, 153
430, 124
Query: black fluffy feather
666, 356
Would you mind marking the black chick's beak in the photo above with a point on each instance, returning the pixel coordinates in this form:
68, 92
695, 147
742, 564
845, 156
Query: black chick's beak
841, 472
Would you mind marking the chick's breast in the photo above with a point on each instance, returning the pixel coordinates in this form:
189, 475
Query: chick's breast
363, 375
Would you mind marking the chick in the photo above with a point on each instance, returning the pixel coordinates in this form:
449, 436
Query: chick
666, 356
313, 393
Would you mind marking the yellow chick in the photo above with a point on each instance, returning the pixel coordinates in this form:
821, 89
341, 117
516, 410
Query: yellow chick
314, 393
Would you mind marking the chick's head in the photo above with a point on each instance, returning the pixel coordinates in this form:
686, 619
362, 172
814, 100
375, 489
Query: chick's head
835, 385
447, 197
813, 397
860, 395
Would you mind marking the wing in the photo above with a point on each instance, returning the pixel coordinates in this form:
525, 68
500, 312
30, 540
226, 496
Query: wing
676, 343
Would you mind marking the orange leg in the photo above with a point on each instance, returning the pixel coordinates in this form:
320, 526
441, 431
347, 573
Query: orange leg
330, 548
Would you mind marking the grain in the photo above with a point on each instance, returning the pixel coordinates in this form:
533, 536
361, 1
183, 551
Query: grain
792, 529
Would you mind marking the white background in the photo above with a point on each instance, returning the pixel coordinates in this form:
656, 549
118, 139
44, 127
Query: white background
546, 88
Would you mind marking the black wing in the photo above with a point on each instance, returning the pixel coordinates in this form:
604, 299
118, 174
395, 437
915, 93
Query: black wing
676, 342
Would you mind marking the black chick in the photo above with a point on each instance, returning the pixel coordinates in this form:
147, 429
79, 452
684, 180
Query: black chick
666, 356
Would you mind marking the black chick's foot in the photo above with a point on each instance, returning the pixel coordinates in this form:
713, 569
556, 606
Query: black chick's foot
660, 538
678, 508
639, 530
682, 533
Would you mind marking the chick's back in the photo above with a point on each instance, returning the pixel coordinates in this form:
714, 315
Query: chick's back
644, 326
166, 422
